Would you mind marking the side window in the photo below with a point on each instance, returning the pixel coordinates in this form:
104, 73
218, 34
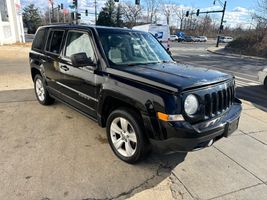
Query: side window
39, 40
78, 42
54, 41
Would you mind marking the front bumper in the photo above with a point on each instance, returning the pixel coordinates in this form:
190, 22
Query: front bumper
182, 136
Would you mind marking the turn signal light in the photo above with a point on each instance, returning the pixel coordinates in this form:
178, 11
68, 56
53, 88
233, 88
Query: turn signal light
165, 117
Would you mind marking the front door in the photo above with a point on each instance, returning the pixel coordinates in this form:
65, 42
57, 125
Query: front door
79, 84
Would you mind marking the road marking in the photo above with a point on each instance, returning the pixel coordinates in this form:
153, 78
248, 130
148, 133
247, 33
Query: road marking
234, 72
204, 55
184, 56
212, 67
245, 79
240, 83
221, 69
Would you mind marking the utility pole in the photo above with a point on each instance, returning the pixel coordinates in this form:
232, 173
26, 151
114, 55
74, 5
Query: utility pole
221, 25
58, 9
95, 12
49, 15
213, 11
64, 16
52, 3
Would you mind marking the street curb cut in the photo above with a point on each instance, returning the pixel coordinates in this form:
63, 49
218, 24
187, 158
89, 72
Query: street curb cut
235, 55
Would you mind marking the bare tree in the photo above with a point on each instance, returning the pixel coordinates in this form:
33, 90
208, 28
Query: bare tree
152, 9
167, 11
262, 10
131, 13
180, 13
206, 23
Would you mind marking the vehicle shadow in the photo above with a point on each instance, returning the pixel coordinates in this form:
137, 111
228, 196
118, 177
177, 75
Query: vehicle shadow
257, 95
68, 154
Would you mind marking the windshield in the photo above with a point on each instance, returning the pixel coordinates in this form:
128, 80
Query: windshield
132, 48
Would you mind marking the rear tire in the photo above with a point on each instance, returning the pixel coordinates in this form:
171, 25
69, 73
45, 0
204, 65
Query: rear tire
41, 92
125, 134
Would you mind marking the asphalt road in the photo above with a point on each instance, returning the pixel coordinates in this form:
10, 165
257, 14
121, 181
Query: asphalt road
244, 69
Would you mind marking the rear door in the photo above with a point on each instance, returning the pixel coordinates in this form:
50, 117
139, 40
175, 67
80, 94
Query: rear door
51, 62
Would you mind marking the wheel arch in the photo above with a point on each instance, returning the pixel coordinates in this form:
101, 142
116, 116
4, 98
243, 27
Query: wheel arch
265, 82
34, 72
111, 102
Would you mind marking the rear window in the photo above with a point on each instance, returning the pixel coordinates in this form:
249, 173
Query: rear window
54, 41
39, 40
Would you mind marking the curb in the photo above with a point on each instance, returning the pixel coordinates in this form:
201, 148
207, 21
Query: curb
235, 55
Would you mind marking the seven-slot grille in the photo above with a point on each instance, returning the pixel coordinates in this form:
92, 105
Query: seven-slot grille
219, 101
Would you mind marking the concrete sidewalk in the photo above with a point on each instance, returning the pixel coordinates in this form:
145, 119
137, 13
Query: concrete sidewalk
233, 169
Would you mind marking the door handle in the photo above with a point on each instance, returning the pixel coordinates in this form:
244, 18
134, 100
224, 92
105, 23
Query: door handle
64, 67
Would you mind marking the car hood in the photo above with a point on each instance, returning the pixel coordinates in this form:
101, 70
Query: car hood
177, 75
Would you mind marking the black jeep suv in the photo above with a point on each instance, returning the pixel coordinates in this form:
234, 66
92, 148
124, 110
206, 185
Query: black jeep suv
127, 82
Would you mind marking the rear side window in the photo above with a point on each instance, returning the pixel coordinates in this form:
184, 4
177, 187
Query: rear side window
54, 41
39, 40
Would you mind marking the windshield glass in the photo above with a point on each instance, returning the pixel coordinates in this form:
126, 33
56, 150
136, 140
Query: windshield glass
132, 48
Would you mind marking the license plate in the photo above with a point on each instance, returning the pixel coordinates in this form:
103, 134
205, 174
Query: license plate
232, 127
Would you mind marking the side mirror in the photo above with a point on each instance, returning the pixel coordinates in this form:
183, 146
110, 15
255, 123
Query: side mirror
81, 60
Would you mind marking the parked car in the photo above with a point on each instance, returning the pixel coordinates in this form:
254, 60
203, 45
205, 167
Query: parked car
174, 38
181, 36
161, 32
196, 39
225, 39
189, 39
202, 38
127, 82
263, 77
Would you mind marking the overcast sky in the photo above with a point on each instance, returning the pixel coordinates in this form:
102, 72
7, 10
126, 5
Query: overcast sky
238, 12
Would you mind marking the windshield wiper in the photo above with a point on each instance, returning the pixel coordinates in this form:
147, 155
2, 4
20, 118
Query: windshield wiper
148, 63
151, 63
167, 61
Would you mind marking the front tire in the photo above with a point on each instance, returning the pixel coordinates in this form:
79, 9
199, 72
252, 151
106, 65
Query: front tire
125, 135
41, 93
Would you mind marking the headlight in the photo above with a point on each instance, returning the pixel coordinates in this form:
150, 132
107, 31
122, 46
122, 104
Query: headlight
190, 104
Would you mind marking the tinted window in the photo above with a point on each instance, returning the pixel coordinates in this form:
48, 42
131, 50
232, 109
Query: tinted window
54, 41
78, 42
132, 48
39, 40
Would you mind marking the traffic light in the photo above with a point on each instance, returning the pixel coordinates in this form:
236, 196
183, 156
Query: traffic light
58, 7
86, 12
197, 12
137, 2
61, 6
78, 16
75, 3
116, 0
187, 13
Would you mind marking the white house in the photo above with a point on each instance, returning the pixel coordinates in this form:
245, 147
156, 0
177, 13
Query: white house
11, 25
